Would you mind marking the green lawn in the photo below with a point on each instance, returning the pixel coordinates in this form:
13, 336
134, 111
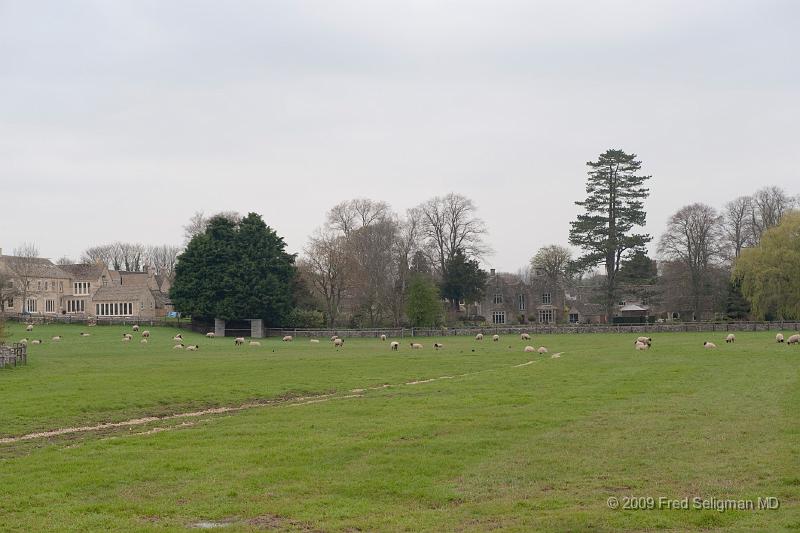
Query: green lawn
488, 445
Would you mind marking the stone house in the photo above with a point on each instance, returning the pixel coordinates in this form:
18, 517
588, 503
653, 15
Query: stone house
510, 300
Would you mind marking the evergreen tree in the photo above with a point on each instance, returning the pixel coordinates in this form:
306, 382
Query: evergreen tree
463, 279
424, 304
613, 207
235, 270
638, 269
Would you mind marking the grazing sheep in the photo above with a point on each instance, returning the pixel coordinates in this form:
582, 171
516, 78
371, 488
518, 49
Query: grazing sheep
794, 339
495, 338
193, 347
238, 341
84, 334
645, 340
779, 337
642, 345
529, 349
145, 334
178, 347
314, 341
135, 327
338, 342
127, 336
58, 338
255, 343
29, 327
415, 346
287, 338
36, 341
383, 337
177, 338
479, 337
709, 345
334, 337
211, 334
23, 341
143, 341
395, 345
542, 349
438, 345
730, 338
525, 337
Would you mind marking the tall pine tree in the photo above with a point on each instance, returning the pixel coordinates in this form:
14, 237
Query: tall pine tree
613, 208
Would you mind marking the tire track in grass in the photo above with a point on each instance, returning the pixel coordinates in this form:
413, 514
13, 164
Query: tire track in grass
291, 402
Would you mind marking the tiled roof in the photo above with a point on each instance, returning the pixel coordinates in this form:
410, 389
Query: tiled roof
41, 267
84, 272
116, 293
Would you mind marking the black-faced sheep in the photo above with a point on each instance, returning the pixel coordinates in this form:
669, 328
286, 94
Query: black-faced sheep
525, 337
238, 341
779, 337
415, 346
709, 345
730, 338
395, 345
479, 337
794, 339
529, 349
287, 338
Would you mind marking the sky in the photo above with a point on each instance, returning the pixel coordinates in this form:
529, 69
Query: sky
119, 120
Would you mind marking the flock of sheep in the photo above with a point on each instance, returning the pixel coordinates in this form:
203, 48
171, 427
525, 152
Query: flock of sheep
644, 343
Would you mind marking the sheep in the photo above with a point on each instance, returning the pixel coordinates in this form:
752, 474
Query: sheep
542, 349
23, 341
36, 341
58, 338
495, 338
143, 341
29, 327
645, 340
415, 346
314, 341
178, 347
193, 347
84, 334
642, 345
287, 338
730, 338
238, 341
127, 336
779, 337
794, 339
126, 339
145, 334
178, 338
479, 337
255, 343
395, 345
211, 334
438, 345
709, 345
135, 327
525, 337
529, 349
383, 337
338, 342
334, 337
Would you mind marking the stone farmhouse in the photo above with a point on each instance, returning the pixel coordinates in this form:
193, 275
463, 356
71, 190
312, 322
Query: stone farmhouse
81, 291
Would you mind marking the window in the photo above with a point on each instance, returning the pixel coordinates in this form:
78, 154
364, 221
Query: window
81, 287
30, 305
39, 285
60, 286
76, 306
499, 317
521, 301
45, 285
10, 303
546, 298
498, 298
49, 306
573, 318
546, 316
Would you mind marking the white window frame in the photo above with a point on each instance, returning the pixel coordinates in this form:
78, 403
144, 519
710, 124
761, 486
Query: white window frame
498, 317
577, 318
546, 316
30, 305
498, 298
547, 298
521, 302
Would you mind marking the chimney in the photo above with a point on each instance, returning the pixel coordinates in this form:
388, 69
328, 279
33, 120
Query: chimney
491, 272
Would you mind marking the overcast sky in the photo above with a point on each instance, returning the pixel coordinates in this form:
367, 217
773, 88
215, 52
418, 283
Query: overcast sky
118, 120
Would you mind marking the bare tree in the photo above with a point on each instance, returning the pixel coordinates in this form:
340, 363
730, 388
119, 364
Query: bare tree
99, 254
65, 261
131, 256
767, 207
736, 224
351, 215
693, 238
24, 264
553, 262
198, 222
326, 268
449, 224
163, 259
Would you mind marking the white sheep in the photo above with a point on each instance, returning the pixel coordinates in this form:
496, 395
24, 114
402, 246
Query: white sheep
238, 341
383, 337
709, 345
529, 349
395, 345
29, 327
255, 343
542, 349
193, 347
495, 338
779, 337
338, 342
84, 334
525, 337
178, 346
334, 337
145, 334
177, 338
438, 345
58, 338
415, 346
642, 345
135, 327
36, 341
730, 338
126, 339
23, 341
794, 339
645, 340
479, 337
314, 341
211, 334
287, 338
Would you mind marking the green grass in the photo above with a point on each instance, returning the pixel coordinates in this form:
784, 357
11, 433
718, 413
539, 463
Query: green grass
535, 447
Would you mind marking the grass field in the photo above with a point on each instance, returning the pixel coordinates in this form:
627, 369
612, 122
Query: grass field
470, 438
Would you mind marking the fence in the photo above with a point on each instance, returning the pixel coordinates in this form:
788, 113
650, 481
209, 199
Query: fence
13, 354
539, 329
102, 321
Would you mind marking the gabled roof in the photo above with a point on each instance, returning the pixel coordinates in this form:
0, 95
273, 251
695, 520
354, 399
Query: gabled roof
84, 272
40, 267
